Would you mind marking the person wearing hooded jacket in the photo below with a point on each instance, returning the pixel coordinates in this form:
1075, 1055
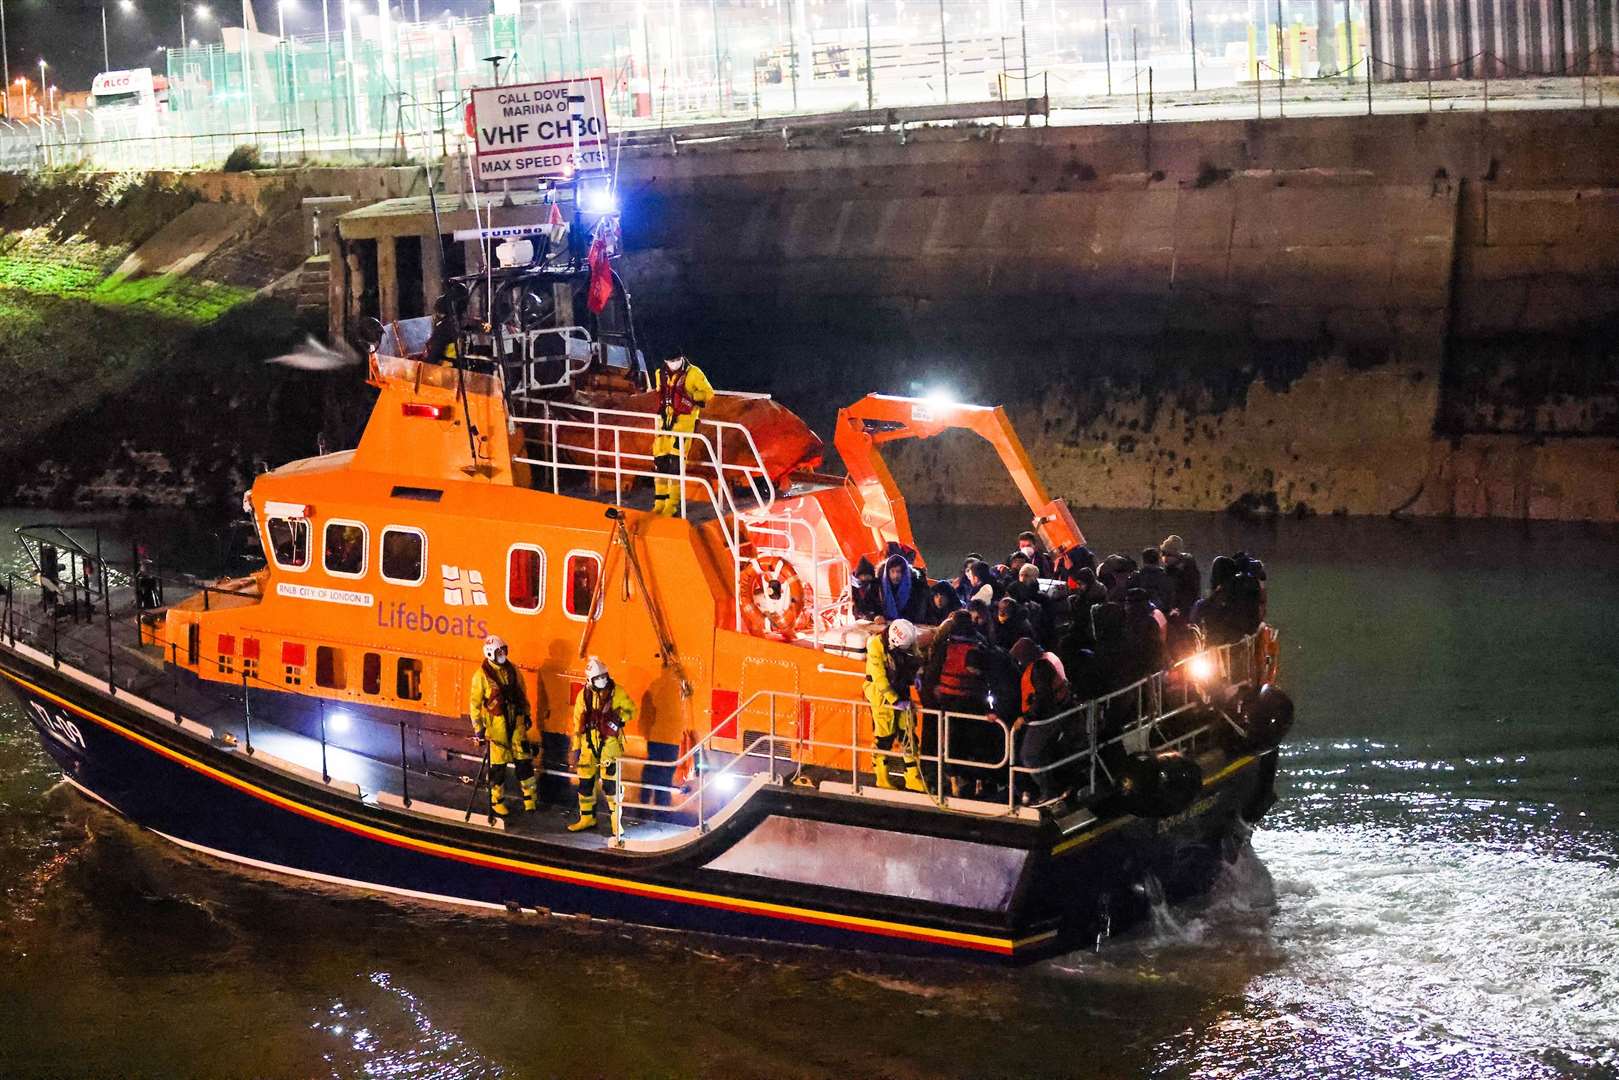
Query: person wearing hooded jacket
500, 717
863, 592
903, 590
1011, 623
942, 603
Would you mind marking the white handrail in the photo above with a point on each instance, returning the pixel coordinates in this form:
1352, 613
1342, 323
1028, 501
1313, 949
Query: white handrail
1149, 715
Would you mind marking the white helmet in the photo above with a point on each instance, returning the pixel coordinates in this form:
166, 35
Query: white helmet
596, 673
902, 634
493, 646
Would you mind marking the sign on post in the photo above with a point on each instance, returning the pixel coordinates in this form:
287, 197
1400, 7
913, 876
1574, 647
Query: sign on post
550, 130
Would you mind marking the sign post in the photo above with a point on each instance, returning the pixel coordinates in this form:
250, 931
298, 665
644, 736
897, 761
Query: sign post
549, 130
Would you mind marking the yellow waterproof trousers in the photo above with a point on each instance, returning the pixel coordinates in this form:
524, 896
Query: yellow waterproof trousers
666, 454
597, 757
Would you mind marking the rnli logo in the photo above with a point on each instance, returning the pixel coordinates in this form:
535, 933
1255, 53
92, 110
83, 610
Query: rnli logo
463, 588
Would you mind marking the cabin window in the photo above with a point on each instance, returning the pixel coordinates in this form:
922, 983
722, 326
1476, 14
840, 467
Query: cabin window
345, 548
293, 658
329, 667
193, 643
289, 543
227, 654
250, 658
404, 555
580, 575
371, 673
525, 578
409, 686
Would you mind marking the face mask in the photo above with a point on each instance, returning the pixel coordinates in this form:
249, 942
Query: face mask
672, 365
500, 656
1027, 549
600, 682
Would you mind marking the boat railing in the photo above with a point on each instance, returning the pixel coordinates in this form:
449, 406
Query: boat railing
1146, 705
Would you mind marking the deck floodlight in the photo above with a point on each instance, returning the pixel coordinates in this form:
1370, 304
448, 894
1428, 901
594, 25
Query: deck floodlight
598, 200
1201, 667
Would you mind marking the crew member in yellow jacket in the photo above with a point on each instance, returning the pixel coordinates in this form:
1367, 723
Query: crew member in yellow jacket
601, 712
891, 666
683, 391
500, 716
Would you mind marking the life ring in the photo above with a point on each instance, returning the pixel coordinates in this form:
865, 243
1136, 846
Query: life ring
769, 578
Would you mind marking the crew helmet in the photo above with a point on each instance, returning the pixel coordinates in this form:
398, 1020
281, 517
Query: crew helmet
494, 648
596, 673
902, 634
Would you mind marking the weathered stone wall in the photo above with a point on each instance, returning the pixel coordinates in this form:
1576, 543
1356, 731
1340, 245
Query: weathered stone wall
1329, 315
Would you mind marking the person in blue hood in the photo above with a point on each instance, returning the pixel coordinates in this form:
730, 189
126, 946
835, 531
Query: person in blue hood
903, 589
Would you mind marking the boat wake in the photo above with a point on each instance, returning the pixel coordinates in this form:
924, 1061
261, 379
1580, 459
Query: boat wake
1370, 952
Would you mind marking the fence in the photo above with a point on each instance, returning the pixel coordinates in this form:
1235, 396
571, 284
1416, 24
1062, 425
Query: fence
371, 87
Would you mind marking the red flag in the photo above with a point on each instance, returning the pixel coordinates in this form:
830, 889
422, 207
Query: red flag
555, 217
601, 274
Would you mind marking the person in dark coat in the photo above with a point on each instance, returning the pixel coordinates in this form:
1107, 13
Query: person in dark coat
1039, 736
1155, 580
1183, 569
979, 575
1011, 623
964, 586
1074, 560
1029, 546
1078, 637
868, 601
1144, 634
1026, 589
942, 603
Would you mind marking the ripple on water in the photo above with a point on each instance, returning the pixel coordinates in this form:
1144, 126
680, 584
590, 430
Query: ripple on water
1456, 951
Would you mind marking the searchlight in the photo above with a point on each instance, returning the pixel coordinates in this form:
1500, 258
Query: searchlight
598, 200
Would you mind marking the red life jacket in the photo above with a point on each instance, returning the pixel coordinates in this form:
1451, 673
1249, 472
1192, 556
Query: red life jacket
672, 396
959, 678
1059, 689
599, 718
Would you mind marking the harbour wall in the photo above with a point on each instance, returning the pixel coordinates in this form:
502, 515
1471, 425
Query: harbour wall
1409, 313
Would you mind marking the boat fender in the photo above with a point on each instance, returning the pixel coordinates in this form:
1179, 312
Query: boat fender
1266, 717
1158, 784
770, 577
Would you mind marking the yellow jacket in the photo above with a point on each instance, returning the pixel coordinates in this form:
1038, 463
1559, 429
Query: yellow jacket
697, 388
514, 703
877, 673
620, 704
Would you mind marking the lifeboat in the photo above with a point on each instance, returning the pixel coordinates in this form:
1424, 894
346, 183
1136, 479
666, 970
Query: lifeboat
310, 718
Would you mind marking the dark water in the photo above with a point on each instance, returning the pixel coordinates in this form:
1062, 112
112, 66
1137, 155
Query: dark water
1436, 895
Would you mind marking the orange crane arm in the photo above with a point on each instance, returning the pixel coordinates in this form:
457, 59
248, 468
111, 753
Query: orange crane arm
882, 418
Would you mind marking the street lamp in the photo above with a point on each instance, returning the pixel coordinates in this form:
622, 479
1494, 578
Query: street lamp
42, 82
203, 15
5, 59
126, 6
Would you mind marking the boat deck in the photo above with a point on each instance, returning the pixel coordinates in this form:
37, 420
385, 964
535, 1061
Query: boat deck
362, 748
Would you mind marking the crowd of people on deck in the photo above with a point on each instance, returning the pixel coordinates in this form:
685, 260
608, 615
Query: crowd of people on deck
1026, 638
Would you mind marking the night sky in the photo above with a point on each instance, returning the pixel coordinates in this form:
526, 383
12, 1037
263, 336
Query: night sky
67, 33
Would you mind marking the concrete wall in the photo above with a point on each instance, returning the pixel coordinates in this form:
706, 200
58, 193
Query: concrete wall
1315, 313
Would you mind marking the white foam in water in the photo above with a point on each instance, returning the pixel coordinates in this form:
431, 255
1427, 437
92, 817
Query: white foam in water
1507, 950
